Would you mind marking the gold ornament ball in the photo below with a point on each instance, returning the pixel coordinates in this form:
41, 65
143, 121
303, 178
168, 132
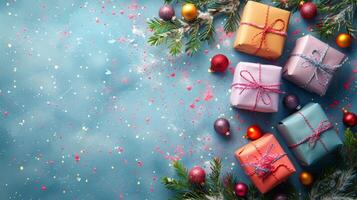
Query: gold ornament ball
344, 40
306, 178
189, 11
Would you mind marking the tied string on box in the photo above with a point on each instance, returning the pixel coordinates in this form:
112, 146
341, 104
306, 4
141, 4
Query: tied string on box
264, 165
252, 84
316, 60
266, 29
316, 133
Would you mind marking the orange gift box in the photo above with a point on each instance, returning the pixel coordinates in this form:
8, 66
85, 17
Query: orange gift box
262, 30
265, 162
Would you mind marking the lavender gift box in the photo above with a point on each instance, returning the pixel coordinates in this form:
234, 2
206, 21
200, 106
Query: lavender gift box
312, 64
256, 87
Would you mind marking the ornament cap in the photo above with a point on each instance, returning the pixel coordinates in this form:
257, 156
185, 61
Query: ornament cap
344, 110
298, 107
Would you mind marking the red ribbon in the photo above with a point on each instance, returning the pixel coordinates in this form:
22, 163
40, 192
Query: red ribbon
267, 29
316, 133
263, 89
264, 165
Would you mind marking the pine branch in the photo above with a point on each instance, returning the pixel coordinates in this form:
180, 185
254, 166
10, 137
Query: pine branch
338, 17
339, 183
181, 171
292, 5
173, 184
214, 183
349, 150
228, 186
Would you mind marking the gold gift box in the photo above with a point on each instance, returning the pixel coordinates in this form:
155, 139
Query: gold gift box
262, 31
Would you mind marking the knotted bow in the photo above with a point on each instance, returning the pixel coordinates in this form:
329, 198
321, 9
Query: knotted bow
316, 133
316, 60
267, 29
263, 89
264, 165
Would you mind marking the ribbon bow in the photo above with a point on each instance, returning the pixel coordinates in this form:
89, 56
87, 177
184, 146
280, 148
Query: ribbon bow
316, 61
264, 165
316, 133
263, 89
267, 29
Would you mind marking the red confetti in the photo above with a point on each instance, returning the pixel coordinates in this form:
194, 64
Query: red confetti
76, 157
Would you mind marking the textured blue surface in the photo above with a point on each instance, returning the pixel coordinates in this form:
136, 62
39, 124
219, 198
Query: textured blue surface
90, 111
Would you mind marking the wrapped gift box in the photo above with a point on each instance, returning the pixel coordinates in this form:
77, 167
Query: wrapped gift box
309, 133
265, 162
256, 87
313, 64
262, 30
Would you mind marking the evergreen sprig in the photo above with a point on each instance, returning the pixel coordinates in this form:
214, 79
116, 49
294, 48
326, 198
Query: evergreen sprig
178, 33
292, 5
338, 16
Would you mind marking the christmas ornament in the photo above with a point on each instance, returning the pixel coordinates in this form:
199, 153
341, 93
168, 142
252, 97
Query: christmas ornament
343, 40
291, 101
219, 63
166, 12
241, 189
197, 175
349, 118
280, 197
254, 132
306, 178
301, 3
222, 126
189, 11
308, 10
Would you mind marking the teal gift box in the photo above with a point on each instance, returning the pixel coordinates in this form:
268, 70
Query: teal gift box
309, 134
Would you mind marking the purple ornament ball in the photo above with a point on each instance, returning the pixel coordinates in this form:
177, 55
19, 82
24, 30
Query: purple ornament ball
166, 12
291, 101
222, 126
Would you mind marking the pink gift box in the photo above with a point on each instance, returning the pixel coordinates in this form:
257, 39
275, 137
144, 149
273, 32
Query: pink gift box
312, 64
256, 87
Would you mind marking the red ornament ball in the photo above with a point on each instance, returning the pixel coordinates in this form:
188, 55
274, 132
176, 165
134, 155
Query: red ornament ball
254, 132
197, 175
241, 189
308, 10
219, 63
349, 118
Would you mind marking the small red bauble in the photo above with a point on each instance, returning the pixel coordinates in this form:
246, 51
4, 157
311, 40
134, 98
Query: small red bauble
197, 175
241, 189
349, 118
308, 10
219, 63
254, 132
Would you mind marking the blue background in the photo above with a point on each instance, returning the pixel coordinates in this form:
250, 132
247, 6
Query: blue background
90, 111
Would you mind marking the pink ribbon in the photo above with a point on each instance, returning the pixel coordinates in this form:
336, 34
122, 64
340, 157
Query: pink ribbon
267, 29
252, 84
316, 133
264, 166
